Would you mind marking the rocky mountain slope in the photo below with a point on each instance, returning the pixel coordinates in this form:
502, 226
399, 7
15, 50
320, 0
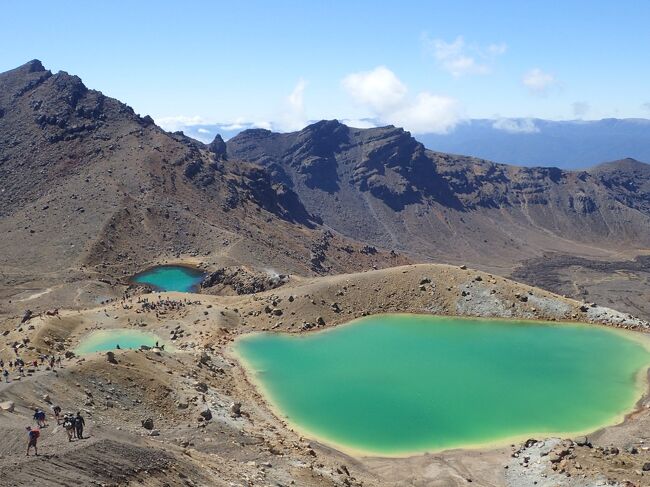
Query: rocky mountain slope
383, 187
92, 191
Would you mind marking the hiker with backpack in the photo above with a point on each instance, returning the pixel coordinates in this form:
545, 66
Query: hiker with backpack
39, 417
32, 434
68, 425
57, 413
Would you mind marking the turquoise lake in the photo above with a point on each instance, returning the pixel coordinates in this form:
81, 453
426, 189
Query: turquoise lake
105, 340
402, 384
171, 278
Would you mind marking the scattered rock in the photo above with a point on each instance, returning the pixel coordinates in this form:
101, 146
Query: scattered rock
147, 424
7, 406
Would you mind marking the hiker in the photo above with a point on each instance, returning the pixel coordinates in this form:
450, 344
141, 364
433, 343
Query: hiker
51, 362
79, 424
68, 425
57, 413
39, 417
5, 374
33, 435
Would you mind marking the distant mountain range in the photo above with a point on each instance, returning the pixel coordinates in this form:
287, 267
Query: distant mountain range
535, 142
520, 141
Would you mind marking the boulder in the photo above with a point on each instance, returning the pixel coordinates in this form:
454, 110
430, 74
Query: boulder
7, 406
206, 414
646, 467
110, 357
147, 424
201, 387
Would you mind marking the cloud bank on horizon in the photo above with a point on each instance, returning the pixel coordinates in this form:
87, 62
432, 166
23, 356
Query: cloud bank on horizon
384, 98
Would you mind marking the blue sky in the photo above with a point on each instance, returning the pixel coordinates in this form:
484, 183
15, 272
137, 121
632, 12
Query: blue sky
424, 65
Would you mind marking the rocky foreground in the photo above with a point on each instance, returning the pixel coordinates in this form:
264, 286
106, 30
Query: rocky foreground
190, 417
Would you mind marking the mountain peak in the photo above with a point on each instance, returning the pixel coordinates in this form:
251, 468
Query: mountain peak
32, 66
627, 164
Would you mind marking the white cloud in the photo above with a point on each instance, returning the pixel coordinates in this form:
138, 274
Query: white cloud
459, 58
363, 123
538, 82
516, 125
178, 122
293, 116
382, 92
428, 113
646, 106
378, 89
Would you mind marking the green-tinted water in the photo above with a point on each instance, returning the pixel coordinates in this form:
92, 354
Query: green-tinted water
104, 340
394, 384
171, 278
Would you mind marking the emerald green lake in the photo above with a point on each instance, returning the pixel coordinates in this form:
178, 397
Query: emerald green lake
105, 340
398, 384
171, 278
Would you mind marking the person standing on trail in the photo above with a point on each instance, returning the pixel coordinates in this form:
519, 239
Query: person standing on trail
57, 413
52, 362
79, 424
32, 434
5, 374
68, 425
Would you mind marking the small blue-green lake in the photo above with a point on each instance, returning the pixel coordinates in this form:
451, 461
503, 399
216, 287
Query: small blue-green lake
403, 384
171, 278
105, 340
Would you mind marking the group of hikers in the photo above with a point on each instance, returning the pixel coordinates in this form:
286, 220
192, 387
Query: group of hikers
73, 425
18, 365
